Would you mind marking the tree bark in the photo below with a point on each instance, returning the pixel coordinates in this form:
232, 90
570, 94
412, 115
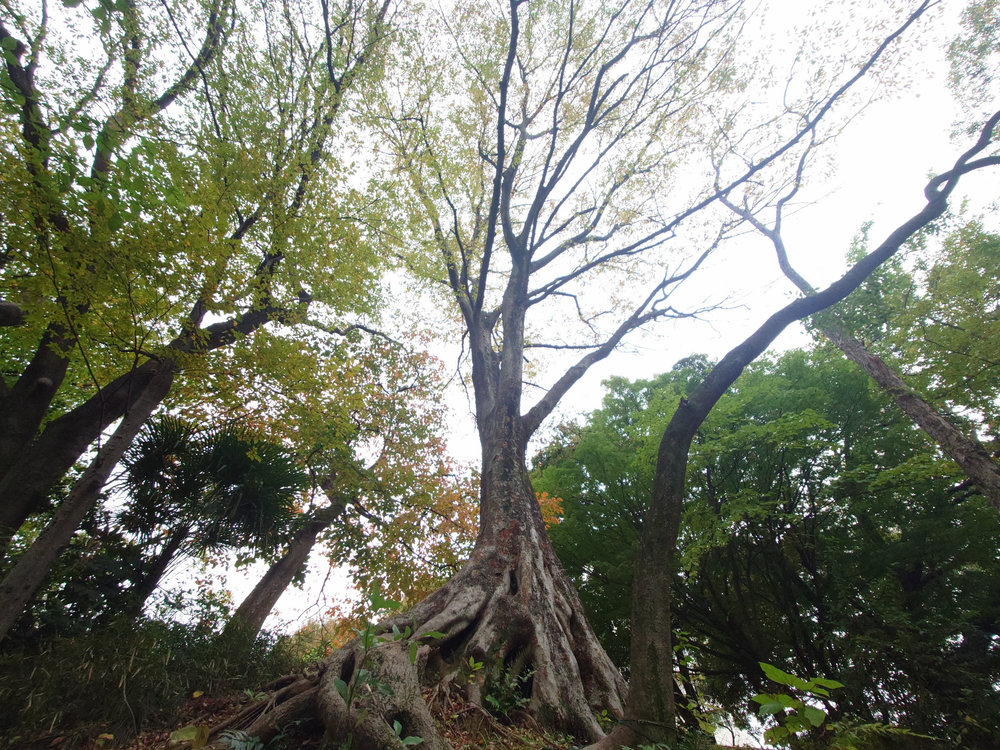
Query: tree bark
963, 449
11, 314
511, 608
145, 587
32, 567
249, 617
44, 461
24, 406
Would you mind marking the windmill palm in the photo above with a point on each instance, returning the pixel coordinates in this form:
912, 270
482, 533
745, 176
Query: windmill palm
195, 490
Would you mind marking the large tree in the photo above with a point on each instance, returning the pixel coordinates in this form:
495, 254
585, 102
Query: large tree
157, 165
651, 710
539, 151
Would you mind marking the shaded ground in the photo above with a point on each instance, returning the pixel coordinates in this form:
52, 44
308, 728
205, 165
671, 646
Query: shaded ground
465, 726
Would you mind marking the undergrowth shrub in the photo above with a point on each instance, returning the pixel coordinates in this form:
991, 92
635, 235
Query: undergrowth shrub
124, 677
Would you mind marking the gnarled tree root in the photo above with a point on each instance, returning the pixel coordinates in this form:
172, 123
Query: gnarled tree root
511, 610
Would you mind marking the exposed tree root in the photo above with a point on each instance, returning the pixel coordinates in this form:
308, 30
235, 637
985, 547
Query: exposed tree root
511, 610
290, 699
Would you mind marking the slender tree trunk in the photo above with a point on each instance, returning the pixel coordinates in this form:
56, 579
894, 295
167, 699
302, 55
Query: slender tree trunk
249, 617
151, 578
963, 449
32, 567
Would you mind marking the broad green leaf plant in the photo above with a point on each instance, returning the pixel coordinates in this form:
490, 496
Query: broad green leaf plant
797, 712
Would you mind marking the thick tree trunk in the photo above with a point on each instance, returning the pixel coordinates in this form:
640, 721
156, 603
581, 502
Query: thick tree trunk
32, 567
24, 406
26, 484
249, 617
964, 450
511, 608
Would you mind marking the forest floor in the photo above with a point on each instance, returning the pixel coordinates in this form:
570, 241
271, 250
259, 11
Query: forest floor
464, 725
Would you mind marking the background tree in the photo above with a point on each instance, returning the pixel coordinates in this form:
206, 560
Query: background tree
362, 416
651, 686
220, 489
963, 447
820, 533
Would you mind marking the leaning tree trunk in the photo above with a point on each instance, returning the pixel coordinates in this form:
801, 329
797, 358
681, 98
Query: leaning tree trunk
38, 466
157, 568
44, 461
650, 716
249, 617
965, 450
32, 567
511, 608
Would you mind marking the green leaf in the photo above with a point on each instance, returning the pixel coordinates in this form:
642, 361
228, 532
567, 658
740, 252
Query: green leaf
413, 652
411, 740
783, 678
8, 43
196, 734
814, 715
776, 734
396, 727
367, 638
832, 684
380, 603
788, 701
88, 141
341, 687
769, 709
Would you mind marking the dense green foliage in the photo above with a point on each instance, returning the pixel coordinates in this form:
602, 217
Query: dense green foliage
821, 533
